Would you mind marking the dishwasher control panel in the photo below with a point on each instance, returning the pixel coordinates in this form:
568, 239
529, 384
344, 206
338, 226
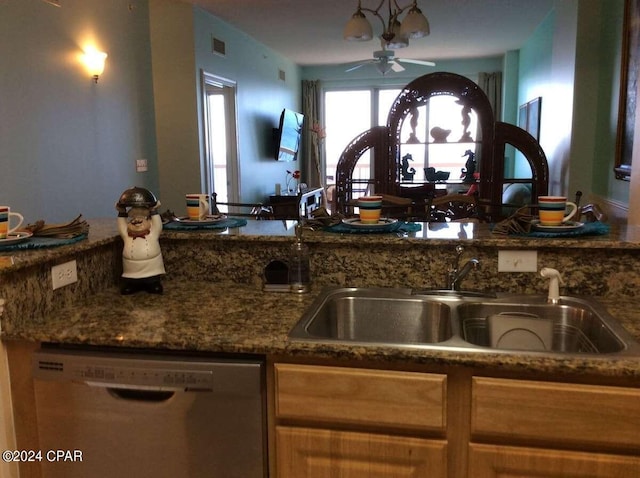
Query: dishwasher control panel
138, 377
109, 371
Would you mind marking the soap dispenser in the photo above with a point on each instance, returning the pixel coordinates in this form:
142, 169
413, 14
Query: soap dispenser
299, 270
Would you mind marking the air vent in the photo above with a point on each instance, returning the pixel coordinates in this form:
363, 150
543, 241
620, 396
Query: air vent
218, 46
49, 365
282, 76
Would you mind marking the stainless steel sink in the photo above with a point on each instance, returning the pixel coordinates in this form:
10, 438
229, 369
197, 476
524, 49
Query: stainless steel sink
576, 327
376, 316
445, 320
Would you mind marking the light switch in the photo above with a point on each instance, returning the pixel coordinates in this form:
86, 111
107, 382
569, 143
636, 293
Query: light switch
517, 261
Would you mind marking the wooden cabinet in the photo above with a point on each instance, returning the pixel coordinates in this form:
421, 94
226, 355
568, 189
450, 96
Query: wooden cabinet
361, 397
359, 423
316, 453
493, 461
553, 417
572, 414
355, 422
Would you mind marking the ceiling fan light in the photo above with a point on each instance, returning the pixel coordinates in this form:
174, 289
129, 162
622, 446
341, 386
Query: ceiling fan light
384, 67
358, 28
397, 40
415, 24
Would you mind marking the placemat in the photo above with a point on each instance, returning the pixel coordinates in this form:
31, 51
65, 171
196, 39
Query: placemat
228, 222
399, 226
42, 242
596, 228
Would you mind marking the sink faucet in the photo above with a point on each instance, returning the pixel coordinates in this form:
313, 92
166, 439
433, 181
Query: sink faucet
455, 274
555, 279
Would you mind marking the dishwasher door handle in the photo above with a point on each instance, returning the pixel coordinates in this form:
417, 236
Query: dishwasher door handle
133, 394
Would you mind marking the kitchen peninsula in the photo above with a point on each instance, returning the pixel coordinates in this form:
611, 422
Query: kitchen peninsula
216, 271
214, 303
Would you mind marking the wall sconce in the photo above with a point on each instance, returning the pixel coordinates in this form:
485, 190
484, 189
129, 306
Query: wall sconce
94, 61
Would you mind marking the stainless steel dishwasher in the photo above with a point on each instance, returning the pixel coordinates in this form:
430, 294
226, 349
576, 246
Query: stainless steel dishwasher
134, 414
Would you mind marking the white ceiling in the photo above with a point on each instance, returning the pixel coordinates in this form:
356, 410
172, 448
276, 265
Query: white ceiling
309, 32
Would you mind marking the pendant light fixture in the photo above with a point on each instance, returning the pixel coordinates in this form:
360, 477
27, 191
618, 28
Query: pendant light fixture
395, 33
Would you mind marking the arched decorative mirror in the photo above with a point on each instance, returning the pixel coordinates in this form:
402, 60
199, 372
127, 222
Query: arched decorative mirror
441, 138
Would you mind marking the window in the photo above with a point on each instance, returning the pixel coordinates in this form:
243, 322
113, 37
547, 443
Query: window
347, 114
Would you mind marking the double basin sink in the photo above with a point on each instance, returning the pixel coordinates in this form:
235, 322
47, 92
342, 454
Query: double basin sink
463, 321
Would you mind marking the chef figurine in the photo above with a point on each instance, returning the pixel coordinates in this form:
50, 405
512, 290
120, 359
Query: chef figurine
140, 227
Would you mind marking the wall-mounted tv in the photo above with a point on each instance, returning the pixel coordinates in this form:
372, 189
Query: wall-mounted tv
288, 135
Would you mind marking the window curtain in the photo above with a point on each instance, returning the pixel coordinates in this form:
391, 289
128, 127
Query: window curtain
491, 84
312, 164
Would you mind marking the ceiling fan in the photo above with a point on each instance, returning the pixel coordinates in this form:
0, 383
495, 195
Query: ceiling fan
385, 61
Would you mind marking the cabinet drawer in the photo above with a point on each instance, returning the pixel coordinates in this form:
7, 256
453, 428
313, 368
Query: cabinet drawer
311, 453
586, 414
360, 396
488, 461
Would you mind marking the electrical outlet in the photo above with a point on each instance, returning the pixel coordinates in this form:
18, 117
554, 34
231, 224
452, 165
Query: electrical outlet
141, 165
64, 274
517, 261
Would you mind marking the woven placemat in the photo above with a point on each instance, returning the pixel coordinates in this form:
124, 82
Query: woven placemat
43, 242
596, 228
399, 226
228, 222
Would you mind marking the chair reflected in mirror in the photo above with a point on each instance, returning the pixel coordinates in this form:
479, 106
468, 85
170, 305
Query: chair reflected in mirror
456, 207
257, 211
310, 200
301, 206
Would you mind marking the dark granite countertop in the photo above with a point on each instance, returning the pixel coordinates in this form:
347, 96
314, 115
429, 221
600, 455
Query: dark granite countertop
211, 316
227, 317
103, 232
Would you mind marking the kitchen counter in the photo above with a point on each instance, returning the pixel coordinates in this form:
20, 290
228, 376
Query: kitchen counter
213, 300
103, 232
230, 318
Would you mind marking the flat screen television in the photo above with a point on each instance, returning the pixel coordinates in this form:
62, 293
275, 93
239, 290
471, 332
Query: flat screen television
288, 135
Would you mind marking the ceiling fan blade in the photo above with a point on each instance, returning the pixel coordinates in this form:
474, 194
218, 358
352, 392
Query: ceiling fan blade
358, 65
397, 67
418, 62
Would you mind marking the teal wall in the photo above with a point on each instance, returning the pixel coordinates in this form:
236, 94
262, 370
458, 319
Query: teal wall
261, 96
181, 40
572, 61
67, 145
535, 69
604, 182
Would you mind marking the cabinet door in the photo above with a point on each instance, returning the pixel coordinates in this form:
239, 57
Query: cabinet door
313, 453
488, 461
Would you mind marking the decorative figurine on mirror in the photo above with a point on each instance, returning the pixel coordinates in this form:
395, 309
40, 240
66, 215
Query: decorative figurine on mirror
140, 226
466, 121
407, 172
469, 167
439, 134
413, 138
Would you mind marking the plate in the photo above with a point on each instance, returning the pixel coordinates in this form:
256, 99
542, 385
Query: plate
15, 238
208, 221
382, 223
565, 227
